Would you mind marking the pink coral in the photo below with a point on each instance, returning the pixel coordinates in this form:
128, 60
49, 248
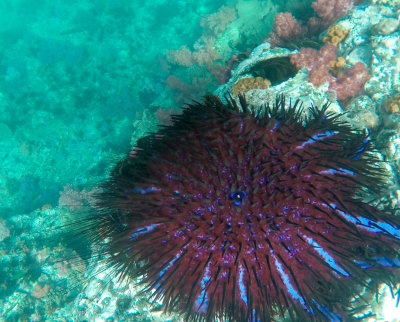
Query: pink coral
311, 58
287, 27
348, 82
331, 10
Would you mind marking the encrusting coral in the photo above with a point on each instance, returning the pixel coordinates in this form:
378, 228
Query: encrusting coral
247, 83
392, 105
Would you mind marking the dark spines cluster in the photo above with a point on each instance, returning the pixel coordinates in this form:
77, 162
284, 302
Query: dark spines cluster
248, 214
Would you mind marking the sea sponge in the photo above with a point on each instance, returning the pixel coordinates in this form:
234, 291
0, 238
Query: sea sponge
247, 83
335, 35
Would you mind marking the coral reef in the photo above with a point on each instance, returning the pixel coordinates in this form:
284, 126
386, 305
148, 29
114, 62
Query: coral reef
287, 29
84, 82
247, 83
392, 105
216, 23
335, 35
336, 65
348, 81
203, 55
181, 56
229, 32
328, 11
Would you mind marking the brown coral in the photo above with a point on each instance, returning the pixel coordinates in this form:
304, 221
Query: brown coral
392, 105
335, 65
245, 84
335, 35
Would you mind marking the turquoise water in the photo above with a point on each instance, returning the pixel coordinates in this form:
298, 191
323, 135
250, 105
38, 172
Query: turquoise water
80, 82
77, 75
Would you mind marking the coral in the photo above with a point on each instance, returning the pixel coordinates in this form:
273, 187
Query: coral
40, 291
205, 54
335, 35
181, 56
287, 27
62, 269
249, 215
216, 23
74, 199
336, 65
392, 105
316, 62
223, 72
331, 10
348, 81
247, 83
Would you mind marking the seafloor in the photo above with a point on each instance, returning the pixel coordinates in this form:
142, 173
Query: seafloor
81, 81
